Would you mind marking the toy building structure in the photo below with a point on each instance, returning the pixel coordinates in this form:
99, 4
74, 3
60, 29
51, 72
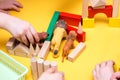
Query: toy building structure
100, 6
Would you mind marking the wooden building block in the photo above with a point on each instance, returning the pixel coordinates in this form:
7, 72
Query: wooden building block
34, 68
21, 50
40, 66
52, 25
11, 51
70, 19
85, 8
107, 10
75, 53
46, 65
97, 3
32, 50
114, 22
37, 49
54, 64
44, 50
88, 22
12, 42
115, 11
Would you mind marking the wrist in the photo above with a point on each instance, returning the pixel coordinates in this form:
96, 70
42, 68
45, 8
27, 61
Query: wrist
3, 20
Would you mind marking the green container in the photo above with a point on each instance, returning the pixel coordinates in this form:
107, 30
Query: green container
10, 69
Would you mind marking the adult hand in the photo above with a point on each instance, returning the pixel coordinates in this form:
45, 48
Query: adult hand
20, 29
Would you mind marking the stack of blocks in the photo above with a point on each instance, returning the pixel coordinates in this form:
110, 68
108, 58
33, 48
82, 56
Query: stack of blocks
99, 6
20, 49
39, 66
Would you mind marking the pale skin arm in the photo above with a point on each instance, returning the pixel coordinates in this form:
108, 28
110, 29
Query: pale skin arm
20, 29
52, 74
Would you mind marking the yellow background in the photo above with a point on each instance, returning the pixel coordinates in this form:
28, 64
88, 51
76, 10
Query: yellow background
102, 41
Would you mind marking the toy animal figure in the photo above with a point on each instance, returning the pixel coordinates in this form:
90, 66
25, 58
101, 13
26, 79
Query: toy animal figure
69, 44
58, 35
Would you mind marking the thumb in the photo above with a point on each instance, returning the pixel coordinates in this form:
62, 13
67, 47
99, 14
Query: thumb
51, 70
115, 76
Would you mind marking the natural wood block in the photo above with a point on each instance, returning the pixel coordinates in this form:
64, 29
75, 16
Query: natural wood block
34, 68
40, 66
75, 53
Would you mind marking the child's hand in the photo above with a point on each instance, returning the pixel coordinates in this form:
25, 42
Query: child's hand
52, 74
21, 30
10, 5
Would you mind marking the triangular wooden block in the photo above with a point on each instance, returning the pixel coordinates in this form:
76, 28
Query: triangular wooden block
97, 3
32, 50
21, 50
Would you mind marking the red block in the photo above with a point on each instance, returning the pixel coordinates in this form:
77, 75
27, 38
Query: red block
71, 19
107, 10
80, 36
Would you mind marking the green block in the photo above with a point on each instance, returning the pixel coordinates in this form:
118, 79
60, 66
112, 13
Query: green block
52, 24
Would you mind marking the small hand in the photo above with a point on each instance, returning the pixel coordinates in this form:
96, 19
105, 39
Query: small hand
10, 5
52, 74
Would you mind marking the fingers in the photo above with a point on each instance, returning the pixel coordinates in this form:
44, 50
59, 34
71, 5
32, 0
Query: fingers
51, 70
4, 11
34, 33
15, 8
24, 40
115, 76
30, 37
16, 3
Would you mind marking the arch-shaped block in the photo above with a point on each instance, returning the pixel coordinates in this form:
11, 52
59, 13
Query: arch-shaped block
107, 10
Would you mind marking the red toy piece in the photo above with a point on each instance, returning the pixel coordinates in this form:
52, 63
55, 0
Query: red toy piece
107, 10
80, 36
71, 19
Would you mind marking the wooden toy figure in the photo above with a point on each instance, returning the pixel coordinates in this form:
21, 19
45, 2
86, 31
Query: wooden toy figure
69, 44
58, 35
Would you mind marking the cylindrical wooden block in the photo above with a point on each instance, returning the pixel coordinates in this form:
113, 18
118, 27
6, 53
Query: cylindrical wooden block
40, 67
34, 68
46, 65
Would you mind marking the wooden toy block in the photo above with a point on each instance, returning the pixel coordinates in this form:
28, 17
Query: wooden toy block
88, 22
80, 36
40, 66
11, 51
114, 22
34, 68
100, 7
107, 10
37, 49
75, 53
85, 8
32, 51
54, 64
46, 65
21, 50
97, 3
44, 50
115, 8
52, 25
12, 42
71, 19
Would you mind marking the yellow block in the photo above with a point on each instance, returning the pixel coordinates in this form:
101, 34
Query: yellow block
114, 22
88, 23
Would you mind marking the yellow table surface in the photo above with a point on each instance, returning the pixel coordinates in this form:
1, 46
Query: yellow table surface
102, 41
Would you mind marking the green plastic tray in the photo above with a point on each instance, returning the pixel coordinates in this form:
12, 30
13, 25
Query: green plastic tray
10, 69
